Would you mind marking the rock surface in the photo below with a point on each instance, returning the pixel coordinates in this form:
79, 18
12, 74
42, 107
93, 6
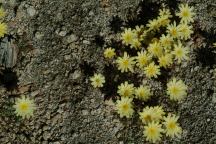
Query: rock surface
61, 44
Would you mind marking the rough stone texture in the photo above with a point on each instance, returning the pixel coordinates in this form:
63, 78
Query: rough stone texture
57, 54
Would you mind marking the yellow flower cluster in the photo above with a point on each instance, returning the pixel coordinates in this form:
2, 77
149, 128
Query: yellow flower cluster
165, 49
3, 26
157, 124
126, 90
24, 107
159, 44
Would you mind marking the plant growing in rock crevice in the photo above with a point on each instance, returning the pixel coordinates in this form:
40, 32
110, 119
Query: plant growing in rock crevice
159, 44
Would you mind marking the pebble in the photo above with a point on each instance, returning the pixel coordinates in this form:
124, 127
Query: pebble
67, 57
46, 135
76, 75
214, 98
59, 17
85, 112
39, 35
31, 11
86, 42
62, 33
72, 38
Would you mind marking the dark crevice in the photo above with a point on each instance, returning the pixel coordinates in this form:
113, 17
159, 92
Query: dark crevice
210, 92
206, 57
15, 9
120, 48
87, 68
114, 78
164, 76
99, 40
209, 36
173, 6
115, 24
9, 79
111, 86
145, 11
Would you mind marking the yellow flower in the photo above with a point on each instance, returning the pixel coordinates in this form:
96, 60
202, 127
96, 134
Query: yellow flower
142, 59
139, 29
125, 63
186, 31
153, 24
143, 93
124, 107
214, 44
147, 115
155, 49
150, 114
163, 20
172, 128
165, 12
186, 13
173, 30
180, 52
153, 131
166, 41
165, 60
143, 35
2, 13
126, 90
24, 107
176, 89
3, 29
127, 36
97, 80
152, 70
158, 113
135, 43
109, 53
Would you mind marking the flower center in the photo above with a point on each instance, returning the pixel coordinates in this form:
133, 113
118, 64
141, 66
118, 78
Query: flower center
171, 125
128, 37
125, 107
24, 107
126, 63
185, 13
174, 32
126, 93
167, 42
151, 70
97, 80
175, 90
152, 131
143, 61
179, 53
147, 118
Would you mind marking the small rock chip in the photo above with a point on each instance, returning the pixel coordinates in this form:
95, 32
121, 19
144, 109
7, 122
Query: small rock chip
31, 11
85, 112
72, 38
